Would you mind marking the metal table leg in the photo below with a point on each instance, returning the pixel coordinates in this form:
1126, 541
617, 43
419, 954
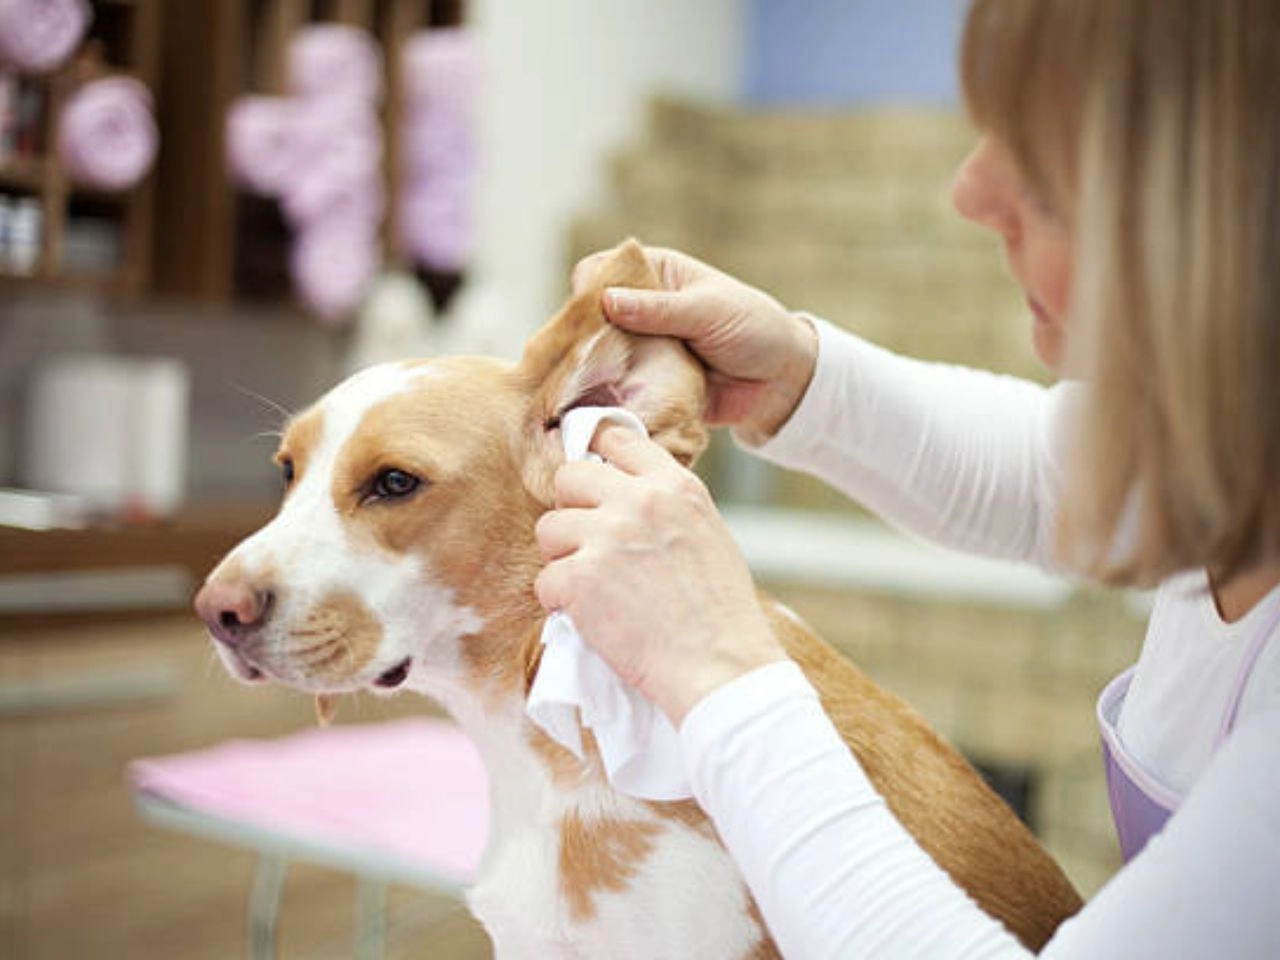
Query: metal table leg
371, 918
264, 905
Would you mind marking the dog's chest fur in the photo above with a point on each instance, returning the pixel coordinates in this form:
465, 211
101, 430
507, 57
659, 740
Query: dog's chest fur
586, 872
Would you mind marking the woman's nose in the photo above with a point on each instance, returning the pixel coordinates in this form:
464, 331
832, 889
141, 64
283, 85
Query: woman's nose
985, 193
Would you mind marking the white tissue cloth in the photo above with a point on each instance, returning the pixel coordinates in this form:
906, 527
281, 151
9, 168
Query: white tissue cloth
638, 745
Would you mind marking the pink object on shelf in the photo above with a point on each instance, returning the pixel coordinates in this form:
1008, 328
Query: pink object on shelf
441, 68
107, 136
441, 75
336, 165
39, 35
260, 142
332, 263
329, 191
436, 225
335, 62
437, 142
319, 152
414, 790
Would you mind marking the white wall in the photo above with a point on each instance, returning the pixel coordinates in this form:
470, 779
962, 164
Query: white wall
567, 83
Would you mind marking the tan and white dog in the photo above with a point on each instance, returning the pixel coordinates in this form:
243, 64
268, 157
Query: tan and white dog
403, 557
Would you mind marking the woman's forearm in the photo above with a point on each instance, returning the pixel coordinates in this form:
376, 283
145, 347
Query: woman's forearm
962, 457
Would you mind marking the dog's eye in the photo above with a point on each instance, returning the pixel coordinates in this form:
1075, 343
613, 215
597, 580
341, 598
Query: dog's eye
286, 470
393, 484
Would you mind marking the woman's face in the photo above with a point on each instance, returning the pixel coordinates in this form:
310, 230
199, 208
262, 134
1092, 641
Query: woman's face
991, 191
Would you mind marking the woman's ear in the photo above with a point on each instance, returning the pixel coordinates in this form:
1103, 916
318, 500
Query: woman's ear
580, 359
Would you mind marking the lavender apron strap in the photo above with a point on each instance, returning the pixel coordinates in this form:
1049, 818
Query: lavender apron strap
1250, 660
1140, 804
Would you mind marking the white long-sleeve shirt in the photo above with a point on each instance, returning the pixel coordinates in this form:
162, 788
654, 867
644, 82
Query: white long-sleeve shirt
971, 460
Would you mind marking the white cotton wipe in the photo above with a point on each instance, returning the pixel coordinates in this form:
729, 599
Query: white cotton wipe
638, 745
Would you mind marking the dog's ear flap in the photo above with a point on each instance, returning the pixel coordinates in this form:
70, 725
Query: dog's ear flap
580, 359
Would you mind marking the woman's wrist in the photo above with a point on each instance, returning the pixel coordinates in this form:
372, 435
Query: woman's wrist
742, 655
789, 387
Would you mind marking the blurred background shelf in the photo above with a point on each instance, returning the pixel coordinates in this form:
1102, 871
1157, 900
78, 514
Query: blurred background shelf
213, 54
124, 39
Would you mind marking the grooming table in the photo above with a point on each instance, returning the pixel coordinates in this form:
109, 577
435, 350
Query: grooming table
403, 802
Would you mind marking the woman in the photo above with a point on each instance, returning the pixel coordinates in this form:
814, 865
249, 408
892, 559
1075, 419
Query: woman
1131, 165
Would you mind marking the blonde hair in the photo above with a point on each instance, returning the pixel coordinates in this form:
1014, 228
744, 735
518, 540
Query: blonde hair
1154, 126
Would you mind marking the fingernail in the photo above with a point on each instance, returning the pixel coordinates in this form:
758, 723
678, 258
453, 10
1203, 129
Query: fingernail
621, 303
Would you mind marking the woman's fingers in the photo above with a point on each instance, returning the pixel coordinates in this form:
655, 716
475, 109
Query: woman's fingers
560, 533
687, 314
586, 484
551, 586
628, 451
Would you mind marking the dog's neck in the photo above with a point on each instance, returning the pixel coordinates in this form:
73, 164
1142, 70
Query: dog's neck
525, 765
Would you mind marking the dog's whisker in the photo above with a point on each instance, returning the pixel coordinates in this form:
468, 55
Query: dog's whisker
304, 652
265, 401
212, 663
319, 663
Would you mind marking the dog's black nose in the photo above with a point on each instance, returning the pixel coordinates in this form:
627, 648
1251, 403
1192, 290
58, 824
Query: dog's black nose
231, 609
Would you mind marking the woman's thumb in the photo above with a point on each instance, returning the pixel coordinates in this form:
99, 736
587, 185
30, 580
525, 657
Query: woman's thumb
649, 311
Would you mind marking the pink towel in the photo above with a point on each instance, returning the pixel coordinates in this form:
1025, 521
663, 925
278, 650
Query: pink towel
413, 789
436, 226
437, 143
336, 164
260, 143
319, 151
335, 62
332, 263
441, 74
107, 136
441, 68
39, 35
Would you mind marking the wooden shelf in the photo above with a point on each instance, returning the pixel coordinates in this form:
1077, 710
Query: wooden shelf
196, 538
23, 173
99, 194
213, 54
79, 282
129, 48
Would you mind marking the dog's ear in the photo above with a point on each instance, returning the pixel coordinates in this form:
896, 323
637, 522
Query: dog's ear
579, 359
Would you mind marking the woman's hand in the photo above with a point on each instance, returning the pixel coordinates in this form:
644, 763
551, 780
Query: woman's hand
647, 569
760, 355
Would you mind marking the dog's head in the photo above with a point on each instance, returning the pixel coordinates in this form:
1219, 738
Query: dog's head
403, 552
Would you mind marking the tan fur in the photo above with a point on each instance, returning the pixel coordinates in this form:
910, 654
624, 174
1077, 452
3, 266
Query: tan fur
765, 949
326, 707
600, 855
687, 814
567, 771
344, 635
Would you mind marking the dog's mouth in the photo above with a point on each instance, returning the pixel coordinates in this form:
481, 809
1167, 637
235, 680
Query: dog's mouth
249, 667
239, 665
390, 679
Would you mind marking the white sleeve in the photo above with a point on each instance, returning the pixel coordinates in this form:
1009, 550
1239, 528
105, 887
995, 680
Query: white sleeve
962, 457
836, 875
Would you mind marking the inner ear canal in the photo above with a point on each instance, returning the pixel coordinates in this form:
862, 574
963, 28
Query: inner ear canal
601, 395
